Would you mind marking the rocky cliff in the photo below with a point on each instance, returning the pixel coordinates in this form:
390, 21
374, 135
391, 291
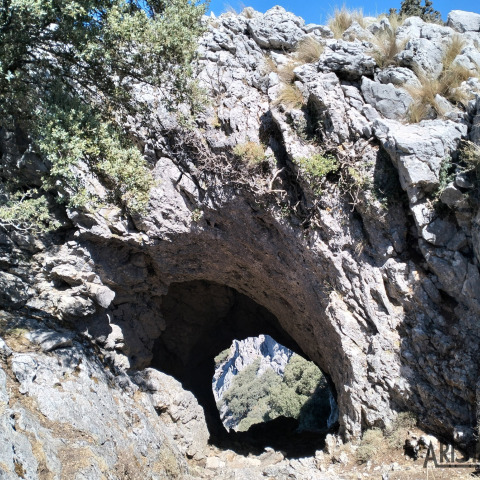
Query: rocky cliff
270, 354
244, 352
372, 272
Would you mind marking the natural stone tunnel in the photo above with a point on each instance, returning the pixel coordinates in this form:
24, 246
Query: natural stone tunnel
201, 319
232, 258
343, 308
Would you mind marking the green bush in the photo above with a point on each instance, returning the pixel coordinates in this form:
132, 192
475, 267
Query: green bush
222, 356
316, 168
27, 211
70, 73
248, 389
302, 394
414, 8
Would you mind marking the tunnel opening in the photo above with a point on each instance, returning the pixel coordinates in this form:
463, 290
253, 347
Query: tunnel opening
202, 319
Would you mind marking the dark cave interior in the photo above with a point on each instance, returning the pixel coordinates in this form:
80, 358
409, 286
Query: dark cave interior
202, 319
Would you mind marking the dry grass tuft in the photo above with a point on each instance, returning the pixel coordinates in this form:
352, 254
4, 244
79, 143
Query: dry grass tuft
396, 20
386, 47
447, 85
454, 48
251, 153
343, 18
285, 72
268, 65
248, 12
308, 50
290, 96
424, 102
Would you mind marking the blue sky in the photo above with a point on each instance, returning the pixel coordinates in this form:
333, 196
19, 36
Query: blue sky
318, 12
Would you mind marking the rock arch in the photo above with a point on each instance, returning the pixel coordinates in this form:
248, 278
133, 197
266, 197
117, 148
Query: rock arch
299, 281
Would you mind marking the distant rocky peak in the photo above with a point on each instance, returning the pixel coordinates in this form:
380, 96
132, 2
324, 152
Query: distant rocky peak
243, 353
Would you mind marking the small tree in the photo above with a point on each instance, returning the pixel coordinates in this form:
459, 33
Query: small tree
70, 74
414, 8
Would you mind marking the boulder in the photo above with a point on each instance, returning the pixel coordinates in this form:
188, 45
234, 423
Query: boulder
13, 291
464, 21
348, 59
419, 150
179, 406
277, 29
422, 55
397, 76
390, 101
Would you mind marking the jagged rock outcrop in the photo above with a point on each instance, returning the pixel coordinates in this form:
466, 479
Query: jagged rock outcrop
244, 352
378, 283
270, 355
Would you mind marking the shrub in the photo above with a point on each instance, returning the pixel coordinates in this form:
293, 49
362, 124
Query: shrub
290, 96
470, 154
397, 433
222, 356
316, 168
371, 442
308, 50
302, 394
28, 211
248, 389
71, 88
250, 152
343, 18
413, 8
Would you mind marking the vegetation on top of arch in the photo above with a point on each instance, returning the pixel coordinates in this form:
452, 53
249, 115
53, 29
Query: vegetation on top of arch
70, 73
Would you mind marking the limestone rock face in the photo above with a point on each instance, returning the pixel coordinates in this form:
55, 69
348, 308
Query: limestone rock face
372, 272
464, 21
269, 353
243, 353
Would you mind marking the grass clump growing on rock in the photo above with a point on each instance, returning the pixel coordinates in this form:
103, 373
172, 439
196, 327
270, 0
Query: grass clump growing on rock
395, 19
426, 104
268, 65
290, 96
308, 50
343, 18
251, 153
386, 47
285, 72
